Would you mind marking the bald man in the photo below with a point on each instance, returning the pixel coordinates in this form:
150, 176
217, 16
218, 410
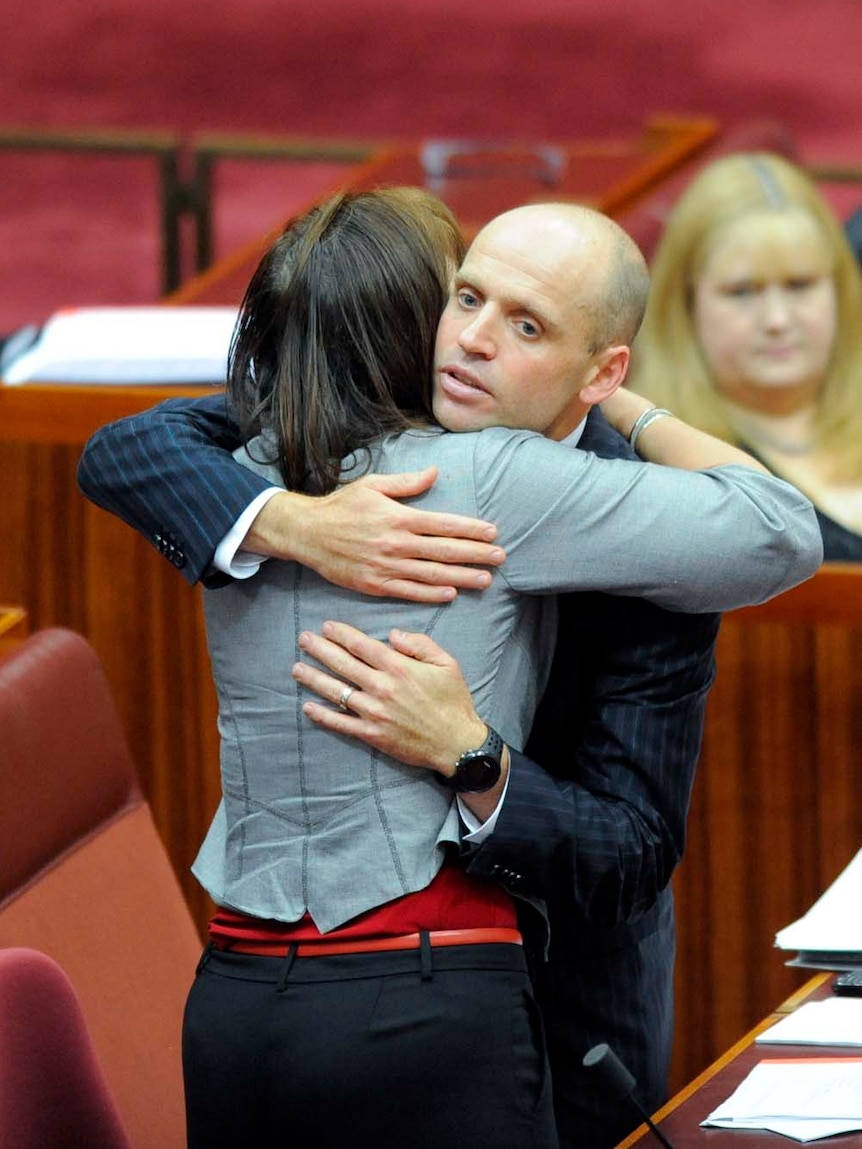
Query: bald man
536, 332
551, 293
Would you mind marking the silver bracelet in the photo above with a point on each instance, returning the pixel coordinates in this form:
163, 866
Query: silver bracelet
643, 421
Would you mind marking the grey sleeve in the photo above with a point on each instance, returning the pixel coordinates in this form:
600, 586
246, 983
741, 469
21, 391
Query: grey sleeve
687, 540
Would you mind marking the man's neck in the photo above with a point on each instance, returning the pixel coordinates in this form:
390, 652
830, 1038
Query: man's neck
574, 437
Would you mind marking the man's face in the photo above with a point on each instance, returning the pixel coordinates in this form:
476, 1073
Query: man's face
513, 345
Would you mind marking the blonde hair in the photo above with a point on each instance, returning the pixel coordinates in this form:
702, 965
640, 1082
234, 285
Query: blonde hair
668, 365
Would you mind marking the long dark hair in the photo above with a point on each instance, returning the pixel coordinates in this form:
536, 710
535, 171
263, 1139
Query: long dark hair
334, 346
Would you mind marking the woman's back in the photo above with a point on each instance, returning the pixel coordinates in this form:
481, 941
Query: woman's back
354, 828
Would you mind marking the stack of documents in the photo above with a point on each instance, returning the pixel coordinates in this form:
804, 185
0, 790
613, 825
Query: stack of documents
834, 1021
128, 345
797, 1098
829, 936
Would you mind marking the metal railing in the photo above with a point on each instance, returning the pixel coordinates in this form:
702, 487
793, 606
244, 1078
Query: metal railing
186, 169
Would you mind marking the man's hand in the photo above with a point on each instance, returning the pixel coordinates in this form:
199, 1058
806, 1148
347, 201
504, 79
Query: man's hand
409, 698
361, 538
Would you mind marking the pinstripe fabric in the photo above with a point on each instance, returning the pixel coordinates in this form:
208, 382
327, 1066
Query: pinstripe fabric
597, 831
123, 471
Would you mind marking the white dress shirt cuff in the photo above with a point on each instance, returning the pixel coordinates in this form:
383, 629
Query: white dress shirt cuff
228, 558
478, 831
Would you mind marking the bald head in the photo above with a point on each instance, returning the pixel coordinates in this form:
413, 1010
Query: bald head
539, 320
595, 262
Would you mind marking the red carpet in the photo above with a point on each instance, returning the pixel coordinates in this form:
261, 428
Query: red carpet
548, 70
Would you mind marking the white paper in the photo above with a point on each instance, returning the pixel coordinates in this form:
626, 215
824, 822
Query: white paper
834, 1021
129, 345
834, 922
797, 1097
799, 1130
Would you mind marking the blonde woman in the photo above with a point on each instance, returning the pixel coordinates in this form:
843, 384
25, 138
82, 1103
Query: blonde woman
754, 331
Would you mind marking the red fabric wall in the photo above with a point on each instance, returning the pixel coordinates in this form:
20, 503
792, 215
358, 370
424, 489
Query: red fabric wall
552, 69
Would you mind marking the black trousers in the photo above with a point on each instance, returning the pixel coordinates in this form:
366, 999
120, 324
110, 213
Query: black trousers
401, 1050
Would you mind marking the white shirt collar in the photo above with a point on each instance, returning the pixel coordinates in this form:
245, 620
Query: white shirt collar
574, 437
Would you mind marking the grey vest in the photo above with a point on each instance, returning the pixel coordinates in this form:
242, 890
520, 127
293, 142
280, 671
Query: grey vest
309, 820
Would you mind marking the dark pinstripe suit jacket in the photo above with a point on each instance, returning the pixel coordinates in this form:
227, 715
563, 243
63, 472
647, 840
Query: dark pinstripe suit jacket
594, 833
597, 830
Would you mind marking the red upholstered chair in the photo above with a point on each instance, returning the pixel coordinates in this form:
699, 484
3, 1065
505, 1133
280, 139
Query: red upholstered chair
52, 1089
85, 879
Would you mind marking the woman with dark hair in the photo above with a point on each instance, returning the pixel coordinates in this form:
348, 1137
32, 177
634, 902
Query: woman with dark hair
359, 984
391, 1035
319, 355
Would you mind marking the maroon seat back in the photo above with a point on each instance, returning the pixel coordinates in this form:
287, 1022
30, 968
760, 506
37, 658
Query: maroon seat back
52, 1088
85, 878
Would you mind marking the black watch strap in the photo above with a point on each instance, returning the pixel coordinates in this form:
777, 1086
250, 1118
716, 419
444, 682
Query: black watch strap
477, 770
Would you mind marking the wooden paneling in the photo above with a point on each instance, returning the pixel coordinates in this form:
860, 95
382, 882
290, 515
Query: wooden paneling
147, 626
72, 565
777, 810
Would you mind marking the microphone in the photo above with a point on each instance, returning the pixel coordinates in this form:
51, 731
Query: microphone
603, 1057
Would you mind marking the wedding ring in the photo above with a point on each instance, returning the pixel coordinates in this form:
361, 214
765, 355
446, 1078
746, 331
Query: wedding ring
345, 697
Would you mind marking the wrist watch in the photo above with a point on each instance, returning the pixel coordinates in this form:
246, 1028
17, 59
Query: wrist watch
477, 770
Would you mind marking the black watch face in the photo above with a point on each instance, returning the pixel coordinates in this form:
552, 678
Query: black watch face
477, 772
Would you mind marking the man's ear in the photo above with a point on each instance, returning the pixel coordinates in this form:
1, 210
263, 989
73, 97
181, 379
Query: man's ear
610, 370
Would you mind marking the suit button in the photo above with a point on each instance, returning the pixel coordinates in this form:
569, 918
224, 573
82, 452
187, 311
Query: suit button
168, 546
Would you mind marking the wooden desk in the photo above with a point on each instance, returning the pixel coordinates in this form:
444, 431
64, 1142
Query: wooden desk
777, 809
483, 181
13, 627
72, 565
611, 176
680, 1119
477, 179
63, 414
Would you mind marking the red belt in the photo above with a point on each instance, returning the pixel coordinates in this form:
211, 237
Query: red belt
491, 934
